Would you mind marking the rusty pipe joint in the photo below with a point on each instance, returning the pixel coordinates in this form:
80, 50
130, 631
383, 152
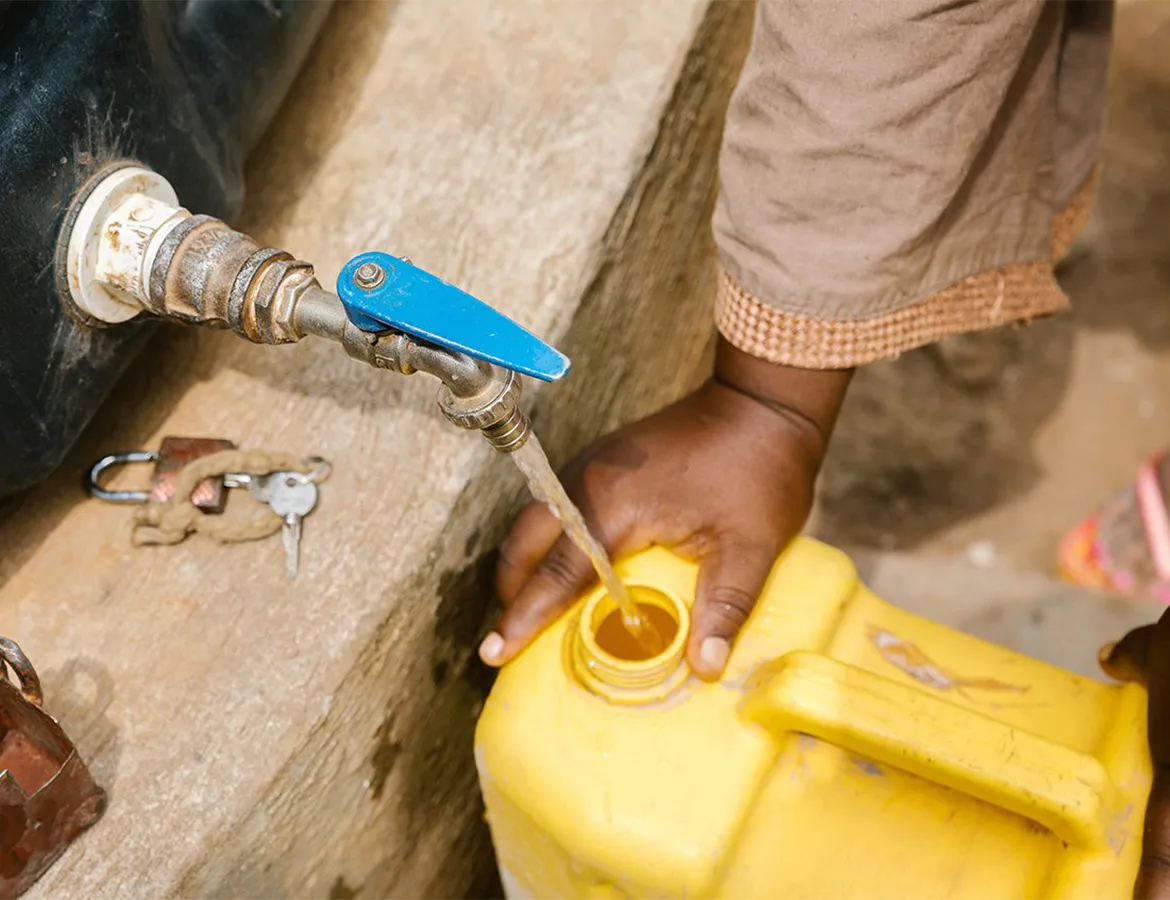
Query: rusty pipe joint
205, 273
129, 248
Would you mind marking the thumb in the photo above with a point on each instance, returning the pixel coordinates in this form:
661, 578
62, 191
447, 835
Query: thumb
555, 584
1128, 659
1143, 656
731, 576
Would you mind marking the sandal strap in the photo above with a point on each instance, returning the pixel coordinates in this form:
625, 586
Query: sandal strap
1152, 506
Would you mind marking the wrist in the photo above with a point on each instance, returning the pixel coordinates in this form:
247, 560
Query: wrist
809, 399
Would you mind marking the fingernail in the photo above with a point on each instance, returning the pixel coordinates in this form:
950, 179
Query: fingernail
1106, 652
491, 649
713, 654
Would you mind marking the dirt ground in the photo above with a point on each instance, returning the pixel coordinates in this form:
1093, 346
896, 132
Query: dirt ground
993, 445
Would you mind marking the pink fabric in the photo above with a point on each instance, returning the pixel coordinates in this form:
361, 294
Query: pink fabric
1152, 506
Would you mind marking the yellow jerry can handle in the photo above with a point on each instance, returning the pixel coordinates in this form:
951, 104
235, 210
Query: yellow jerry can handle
907, 728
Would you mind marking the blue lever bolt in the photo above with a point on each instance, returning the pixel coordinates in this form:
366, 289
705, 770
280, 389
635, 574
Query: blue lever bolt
368, 276
381, 292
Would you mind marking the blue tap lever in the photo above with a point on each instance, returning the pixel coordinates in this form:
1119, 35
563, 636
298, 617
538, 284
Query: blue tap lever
380, 291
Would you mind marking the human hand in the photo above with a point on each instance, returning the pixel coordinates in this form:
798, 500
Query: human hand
724, 476
1143, 656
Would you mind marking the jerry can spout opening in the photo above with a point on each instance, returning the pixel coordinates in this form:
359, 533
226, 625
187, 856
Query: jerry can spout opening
609, 661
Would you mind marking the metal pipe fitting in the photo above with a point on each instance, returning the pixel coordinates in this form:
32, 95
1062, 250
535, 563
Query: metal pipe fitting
462, 375
495, 410
132, 249
207, 274
510, 433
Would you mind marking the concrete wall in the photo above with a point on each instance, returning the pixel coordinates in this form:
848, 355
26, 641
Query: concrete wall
261, 738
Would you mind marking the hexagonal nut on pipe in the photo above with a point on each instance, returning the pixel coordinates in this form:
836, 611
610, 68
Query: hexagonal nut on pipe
264, 296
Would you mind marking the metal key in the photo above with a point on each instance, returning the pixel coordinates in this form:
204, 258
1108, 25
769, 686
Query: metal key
292, 496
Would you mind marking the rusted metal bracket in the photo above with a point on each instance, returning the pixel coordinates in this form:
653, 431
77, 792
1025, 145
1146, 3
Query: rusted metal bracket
47, 795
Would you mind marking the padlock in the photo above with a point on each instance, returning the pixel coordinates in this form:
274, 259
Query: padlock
47, 795
210, 495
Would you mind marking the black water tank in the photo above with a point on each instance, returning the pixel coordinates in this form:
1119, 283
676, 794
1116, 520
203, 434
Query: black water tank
187, 88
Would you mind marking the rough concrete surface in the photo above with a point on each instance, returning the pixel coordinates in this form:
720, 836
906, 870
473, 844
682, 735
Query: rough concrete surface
261, 738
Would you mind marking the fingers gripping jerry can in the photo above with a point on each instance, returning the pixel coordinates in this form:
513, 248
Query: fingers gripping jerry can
851, 750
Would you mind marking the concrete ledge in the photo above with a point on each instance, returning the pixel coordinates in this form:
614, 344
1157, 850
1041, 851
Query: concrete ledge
266, 739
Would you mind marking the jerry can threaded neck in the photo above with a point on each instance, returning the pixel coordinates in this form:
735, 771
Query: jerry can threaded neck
607, 661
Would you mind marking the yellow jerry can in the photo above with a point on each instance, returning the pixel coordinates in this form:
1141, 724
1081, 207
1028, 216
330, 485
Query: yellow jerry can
851, 750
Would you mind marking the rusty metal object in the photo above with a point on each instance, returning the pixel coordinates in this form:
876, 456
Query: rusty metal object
210, 495
173, 454
369, 275
139, 250
47, 795
30, 683
206, 273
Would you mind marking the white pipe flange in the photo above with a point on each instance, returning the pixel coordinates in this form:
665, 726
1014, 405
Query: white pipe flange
114, 239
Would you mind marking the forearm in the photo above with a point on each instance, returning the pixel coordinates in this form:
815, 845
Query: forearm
809, 398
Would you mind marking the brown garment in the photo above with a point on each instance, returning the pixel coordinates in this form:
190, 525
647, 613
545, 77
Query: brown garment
895, 172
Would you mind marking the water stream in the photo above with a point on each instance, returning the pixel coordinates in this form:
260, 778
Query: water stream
547, 488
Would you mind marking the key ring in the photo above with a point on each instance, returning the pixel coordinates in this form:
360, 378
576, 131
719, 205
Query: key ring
321, 469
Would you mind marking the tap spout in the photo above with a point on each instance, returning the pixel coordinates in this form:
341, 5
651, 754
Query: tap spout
475, 394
